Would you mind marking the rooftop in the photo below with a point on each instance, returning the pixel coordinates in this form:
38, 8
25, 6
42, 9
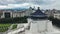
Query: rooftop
38, 13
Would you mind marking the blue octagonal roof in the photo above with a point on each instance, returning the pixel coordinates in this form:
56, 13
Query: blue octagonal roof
38, 13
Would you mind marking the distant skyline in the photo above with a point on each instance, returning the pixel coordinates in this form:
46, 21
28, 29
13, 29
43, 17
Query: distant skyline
44, 4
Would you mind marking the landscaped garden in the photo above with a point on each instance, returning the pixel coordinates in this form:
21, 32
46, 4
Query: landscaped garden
14, 20
4, 27
14, 26
5, 23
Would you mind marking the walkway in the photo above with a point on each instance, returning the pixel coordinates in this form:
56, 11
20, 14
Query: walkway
25, 30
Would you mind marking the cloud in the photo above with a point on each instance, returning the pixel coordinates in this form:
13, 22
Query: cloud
44, 4
25, 1
54, 5
26, 5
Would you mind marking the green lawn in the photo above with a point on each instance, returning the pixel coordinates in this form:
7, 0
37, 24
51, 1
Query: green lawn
14, 26
4, 27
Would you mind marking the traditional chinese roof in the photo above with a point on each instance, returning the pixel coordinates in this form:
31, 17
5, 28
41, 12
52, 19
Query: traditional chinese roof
38, 14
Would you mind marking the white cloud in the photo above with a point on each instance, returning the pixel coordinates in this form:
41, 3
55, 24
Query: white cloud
55, 4
15, 5
44, 4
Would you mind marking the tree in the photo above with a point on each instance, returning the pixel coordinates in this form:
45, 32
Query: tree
1, 14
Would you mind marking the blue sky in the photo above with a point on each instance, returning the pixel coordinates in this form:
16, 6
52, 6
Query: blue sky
44, 4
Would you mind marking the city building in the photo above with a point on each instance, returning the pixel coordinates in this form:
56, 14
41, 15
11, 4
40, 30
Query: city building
9, 13
54, 13
50, 12
57, 14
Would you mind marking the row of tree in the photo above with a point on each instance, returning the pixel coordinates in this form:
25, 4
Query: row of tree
14, 20
55, 21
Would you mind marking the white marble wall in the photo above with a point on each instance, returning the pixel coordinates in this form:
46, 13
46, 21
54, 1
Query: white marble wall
40, 25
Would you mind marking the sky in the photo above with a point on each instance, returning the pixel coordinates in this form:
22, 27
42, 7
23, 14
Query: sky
43, 4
